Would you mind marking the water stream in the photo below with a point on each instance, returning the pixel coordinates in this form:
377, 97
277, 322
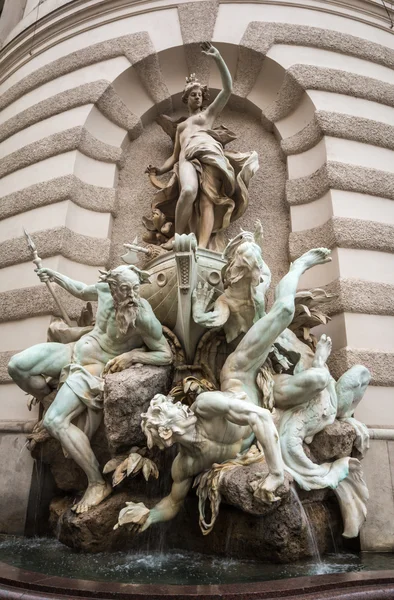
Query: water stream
313, 545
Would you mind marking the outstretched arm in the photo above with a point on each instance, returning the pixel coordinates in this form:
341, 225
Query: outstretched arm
169, 163
222, 98
165, 510
76, 288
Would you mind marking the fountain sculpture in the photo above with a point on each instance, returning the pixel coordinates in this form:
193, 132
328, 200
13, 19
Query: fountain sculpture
183, 350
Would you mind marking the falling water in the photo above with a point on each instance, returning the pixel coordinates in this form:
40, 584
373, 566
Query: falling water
311, 534
334, 542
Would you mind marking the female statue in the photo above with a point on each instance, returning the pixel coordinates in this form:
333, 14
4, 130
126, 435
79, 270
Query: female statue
208, 189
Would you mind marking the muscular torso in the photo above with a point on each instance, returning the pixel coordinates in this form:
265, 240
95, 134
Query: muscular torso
105, 342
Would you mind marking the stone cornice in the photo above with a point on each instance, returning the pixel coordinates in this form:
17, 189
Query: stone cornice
342, 126
36, 301
99, 92
260, 37
359, 296
76, 138
344, 233
136, 47
381, 364
340, 176
59, 240
68, 187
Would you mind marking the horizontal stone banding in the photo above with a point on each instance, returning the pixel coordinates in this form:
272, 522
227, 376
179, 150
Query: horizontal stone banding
344, 232
59, 240
300, 78
76, 138
69, 187
341, 126
136, 47
37, 301
88, 93
381, 364
340, 176
359, 296
259, 38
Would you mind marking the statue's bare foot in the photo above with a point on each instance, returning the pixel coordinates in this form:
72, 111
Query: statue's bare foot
265, 490
95, 493
317, 256
323, 349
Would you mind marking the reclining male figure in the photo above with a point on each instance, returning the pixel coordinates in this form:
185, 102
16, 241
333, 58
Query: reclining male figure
221, 424
126, 332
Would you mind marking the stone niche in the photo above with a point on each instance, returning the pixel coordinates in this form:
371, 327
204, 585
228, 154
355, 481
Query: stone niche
266, 191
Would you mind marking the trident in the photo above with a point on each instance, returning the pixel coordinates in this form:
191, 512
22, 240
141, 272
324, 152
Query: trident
38, 262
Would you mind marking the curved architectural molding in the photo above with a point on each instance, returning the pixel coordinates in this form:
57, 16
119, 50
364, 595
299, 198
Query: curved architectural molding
344, 233
300, 78
342, 126
340, 176
116, 111
88, 93
260, 37
59, 240
359, 296
69, 187
197, 21
76, 138
18, 304
136, 47
381, 364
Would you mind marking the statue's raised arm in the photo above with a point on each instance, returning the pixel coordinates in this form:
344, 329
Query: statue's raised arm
214, 109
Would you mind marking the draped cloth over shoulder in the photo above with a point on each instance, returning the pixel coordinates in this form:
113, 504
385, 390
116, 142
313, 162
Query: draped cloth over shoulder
223, 178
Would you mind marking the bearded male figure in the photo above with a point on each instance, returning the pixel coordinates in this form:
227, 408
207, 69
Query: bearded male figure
126, 332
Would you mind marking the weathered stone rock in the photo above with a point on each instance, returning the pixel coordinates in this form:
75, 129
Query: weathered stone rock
281, 536
335, 441
126, 395
235, 487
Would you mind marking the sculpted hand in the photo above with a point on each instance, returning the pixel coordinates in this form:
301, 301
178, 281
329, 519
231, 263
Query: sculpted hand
209, 50
201, 299
136, 515
120, 363
45, 274
151, 170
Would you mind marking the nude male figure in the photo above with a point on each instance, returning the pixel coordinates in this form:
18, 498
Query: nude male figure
126, 332
220, 424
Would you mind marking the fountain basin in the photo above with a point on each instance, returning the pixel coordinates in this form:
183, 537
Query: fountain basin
41, 568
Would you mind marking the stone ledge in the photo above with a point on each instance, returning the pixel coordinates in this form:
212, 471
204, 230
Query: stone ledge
68, 187
381, 364
88, 93
37, 301
299, 78
76, 138
344, 233
340, 176
136, 47
342, 126
259, 38
59, 240
359, 296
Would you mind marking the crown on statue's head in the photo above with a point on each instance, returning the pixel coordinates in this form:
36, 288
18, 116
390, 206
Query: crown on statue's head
193, 82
